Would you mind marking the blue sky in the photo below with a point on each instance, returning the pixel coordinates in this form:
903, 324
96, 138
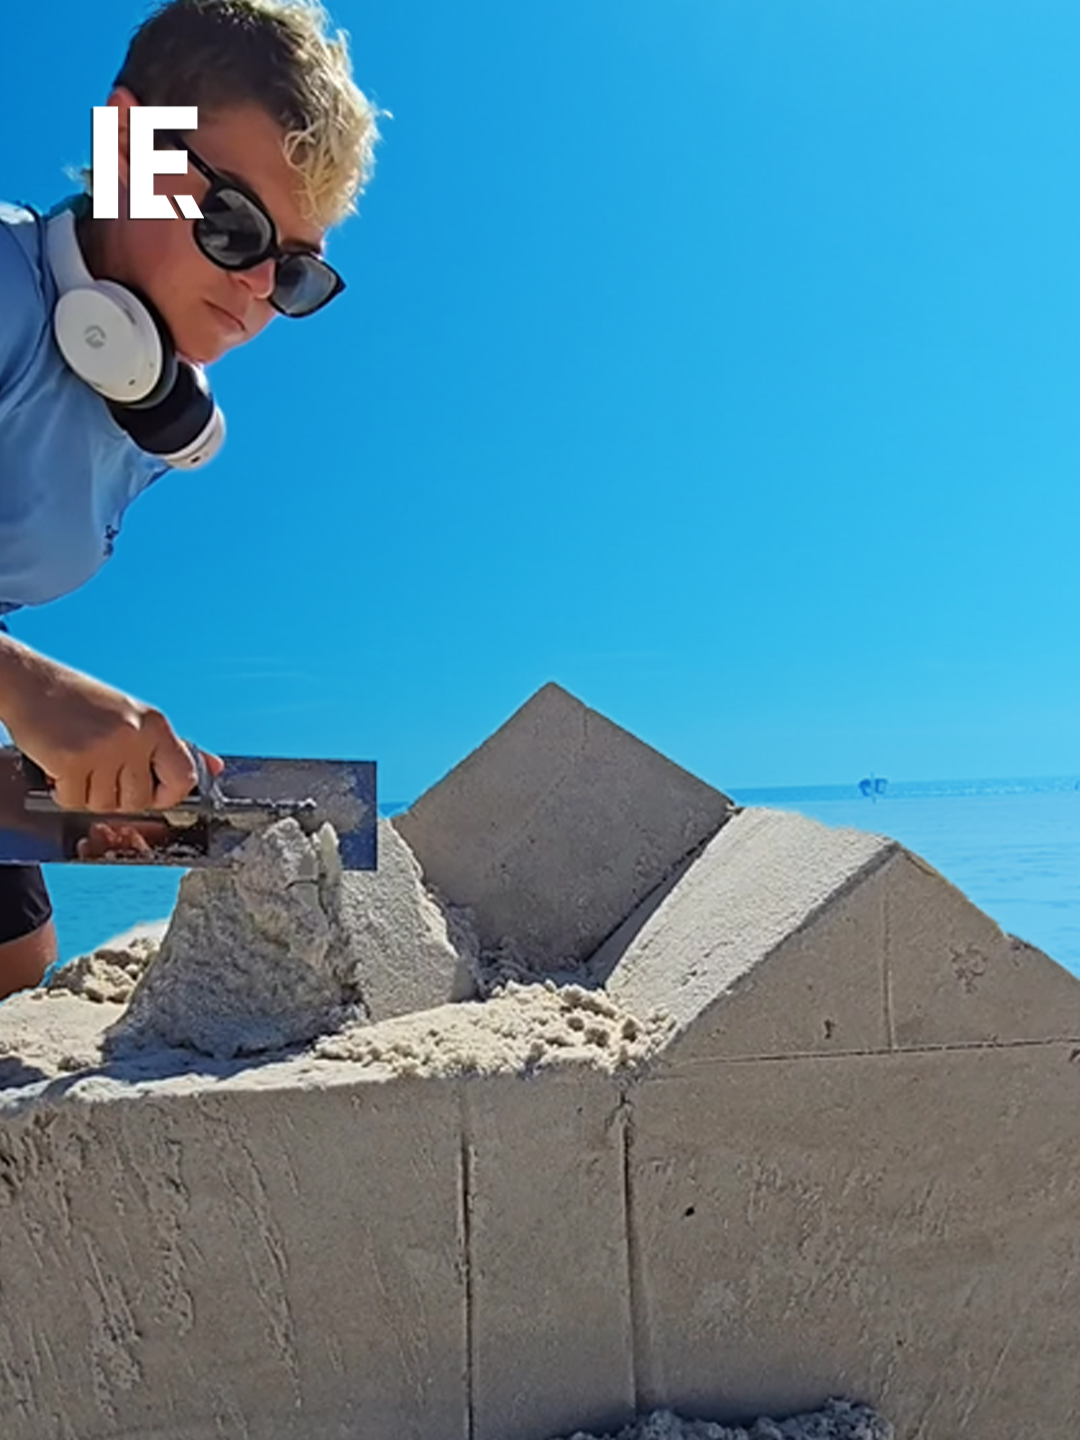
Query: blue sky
718, 359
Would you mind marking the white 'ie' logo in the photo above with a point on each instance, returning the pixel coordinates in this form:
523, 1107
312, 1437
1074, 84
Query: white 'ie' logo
144, 162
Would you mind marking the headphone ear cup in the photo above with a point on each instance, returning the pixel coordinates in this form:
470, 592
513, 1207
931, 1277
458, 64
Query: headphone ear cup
166, 383
171, 425
169, 364
111, 340
115, 340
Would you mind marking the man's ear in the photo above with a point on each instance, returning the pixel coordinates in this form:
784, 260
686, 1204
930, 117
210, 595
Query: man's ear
123, 99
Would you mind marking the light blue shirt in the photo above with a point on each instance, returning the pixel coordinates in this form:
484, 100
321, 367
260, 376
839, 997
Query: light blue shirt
67, 470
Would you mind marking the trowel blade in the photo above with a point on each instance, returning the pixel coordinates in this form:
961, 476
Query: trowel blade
251, 791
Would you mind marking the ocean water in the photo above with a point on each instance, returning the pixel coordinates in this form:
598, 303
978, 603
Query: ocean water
1013, 846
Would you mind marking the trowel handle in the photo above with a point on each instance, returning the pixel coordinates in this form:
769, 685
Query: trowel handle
36, 779
207, 789
206, 797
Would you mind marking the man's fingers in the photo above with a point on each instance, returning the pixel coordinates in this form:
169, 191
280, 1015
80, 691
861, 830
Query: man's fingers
72, 788
103, 792
175, 772
137, 765
131, 841
97, 842
136, 789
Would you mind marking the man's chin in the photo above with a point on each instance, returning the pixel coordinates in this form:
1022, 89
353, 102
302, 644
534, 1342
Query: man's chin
204, 351
200, 339
198, 351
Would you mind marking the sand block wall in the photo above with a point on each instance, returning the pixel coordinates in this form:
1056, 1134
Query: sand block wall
867, 1109
234, 1255
787, 937
808, 1131
556, 827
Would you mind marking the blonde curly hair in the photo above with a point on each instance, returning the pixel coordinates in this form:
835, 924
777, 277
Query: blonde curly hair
274, 53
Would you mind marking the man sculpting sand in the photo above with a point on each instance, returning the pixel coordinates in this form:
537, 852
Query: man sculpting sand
98, 313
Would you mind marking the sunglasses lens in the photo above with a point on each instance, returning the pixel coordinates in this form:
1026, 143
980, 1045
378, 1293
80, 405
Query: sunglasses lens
233, 232
304, 284
237, 234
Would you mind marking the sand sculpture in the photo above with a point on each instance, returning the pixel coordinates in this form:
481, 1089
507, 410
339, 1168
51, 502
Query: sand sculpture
838, 1420
604, 1103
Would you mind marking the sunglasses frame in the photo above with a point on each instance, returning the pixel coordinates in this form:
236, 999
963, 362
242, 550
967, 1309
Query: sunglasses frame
273, 251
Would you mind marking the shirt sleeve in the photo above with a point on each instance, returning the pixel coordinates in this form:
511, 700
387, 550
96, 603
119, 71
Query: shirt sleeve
22, 310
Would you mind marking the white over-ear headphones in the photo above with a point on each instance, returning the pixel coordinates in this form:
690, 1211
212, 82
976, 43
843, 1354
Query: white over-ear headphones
114, 340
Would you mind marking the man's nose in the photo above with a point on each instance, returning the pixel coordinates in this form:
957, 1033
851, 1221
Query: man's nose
259, 279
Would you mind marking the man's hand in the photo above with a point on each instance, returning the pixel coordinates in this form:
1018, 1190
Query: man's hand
104, 751
134, 840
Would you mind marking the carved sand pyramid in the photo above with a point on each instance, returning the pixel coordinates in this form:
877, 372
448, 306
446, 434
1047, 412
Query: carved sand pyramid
790, 1120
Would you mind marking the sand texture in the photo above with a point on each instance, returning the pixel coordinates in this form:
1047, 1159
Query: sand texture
278, 946
111, 972
406, 950
839, 1420
254, 958
48, 1033
520, 1029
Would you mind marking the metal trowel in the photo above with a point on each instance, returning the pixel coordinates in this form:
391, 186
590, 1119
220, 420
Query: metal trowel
250, 793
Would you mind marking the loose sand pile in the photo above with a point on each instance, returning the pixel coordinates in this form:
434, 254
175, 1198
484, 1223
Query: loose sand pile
839, 1420
278, 951
521, 1028
110, 973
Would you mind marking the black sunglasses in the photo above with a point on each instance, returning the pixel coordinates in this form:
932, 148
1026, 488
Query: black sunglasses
236, 233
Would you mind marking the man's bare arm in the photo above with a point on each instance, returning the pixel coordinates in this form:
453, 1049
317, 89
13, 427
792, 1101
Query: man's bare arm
105, 751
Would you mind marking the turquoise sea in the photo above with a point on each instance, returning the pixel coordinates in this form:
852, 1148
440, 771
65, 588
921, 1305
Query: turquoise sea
1013, 846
